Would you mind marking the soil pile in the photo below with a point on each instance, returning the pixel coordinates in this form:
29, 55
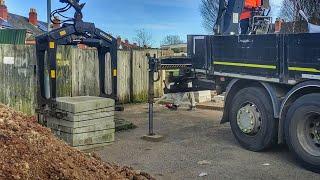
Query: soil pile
30, 151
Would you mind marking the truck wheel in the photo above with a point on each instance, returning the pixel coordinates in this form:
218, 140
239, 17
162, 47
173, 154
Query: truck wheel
252, 120
302, 130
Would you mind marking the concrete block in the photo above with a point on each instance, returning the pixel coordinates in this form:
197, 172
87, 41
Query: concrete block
219, 98
93, 147
89, 115
96, 125
89, 121
202, 96
78, 124
107, 109
83, 103
89, 138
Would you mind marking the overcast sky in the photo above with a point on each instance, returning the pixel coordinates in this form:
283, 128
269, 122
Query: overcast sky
124, 17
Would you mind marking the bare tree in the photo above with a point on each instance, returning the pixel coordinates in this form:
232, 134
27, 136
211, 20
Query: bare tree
287, 11
143, 38
311, 8
171, 39
209, 11
290, 10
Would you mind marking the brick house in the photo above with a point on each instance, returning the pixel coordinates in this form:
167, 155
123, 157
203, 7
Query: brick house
125, 45
31, 24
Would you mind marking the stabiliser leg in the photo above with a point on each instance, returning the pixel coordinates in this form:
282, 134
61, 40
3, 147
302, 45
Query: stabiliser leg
151, 99
153, 68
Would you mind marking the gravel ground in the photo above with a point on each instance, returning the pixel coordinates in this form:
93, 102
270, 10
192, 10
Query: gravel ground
192, 137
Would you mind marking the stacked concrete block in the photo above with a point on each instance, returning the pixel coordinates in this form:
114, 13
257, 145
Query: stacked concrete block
89, 121
202, 96
219, 98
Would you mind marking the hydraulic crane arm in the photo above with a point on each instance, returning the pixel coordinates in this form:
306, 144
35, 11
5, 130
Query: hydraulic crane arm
75, 4
228, 16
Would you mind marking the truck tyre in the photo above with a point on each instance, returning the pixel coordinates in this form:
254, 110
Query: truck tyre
251, 119
302, 131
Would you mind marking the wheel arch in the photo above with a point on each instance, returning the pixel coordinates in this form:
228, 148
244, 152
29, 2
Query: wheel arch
237, 84
296, 92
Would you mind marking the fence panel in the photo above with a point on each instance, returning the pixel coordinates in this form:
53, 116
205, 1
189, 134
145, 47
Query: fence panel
77, 75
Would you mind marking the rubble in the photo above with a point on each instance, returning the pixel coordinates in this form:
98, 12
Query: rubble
30, 151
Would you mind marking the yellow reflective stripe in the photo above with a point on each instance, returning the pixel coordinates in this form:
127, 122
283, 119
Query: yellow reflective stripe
62, 33
263, 66
53, 74
51, 45
302, 69
115, 73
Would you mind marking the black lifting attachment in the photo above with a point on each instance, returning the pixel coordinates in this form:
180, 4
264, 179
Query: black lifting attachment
73, 31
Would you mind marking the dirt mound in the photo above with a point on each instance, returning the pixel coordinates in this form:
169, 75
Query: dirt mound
30, 151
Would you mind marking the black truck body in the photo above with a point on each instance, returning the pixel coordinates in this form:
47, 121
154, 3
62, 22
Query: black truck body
278, 58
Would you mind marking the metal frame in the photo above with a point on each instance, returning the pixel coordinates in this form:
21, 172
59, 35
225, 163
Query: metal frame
77, 32
255, 19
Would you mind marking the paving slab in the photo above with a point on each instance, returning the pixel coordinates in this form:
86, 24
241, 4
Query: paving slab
89, 138
107, 112
83, 103
79, 124
219, 98
202, 96
93, 147
89, 121
106, 109
94, 126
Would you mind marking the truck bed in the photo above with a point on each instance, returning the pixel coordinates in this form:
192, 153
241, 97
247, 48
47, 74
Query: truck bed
279, 58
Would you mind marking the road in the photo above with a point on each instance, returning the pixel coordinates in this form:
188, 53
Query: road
192, 137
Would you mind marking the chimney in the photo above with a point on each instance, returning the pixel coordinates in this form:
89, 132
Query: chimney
33, 17
56, 22
3, 10
278, 25
119, 40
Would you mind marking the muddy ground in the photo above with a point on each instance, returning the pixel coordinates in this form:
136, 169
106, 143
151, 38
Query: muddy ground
192, 137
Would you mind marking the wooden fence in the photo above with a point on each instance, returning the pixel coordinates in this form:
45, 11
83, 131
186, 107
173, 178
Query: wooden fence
77, 75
